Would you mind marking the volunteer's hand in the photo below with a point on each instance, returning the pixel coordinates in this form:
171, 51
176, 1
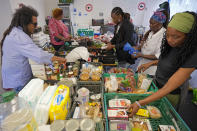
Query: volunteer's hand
59, 59
137, 55
67, 39
136, 47
133, 109
143, 67
109, 46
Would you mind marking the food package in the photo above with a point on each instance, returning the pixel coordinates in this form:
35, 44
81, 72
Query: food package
84, 76
166, 128
96, 76
140, 124
60, 104
113, 84
30, 94
108, 82
141, 112
139, 91
143, 82
121, 70
42, 108
117, 114
89, 71
119, 103
154, 112
93, 111
127, 85
117, 125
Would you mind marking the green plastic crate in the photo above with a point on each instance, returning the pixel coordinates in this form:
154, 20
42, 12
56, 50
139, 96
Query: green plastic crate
65, 1
168, 112
152, 87
7, 96
86, 32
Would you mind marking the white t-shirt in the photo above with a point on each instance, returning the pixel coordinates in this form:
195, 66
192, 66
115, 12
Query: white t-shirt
152, 47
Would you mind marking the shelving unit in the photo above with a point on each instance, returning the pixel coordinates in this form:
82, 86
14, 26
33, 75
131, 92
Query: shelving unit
66, 15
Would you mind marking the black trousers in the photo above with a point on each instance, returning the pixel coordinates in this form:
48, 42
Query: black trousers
57, 47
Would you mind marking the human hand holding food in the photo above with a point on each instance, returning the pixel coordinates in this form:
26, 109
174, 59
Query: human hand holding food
137, 55
136, 47
59, 59
143, 67
133, 109
67, 39
110, 46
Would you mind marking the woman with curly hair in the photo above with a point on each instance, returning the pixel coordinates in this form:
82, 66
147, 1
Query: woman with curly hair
17, 48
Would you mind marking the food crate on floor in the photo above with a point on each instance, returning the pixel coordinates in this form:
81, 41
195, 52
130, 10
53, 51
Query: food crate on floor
168, 112
152, 87
94, 89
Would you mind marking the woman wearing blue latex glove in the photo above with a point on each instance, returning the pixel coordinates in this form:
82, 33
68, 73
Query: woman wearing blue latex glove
176, 62
123, 33
150, 46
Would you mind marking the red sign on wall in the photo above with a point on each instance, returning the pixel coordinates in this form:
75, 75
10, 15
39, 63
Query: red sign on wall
89, 7
141, 6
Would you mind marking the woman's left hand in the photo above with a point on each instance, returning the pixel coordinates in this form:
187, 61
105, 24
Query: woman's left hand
109, 46
144, 67
133, 109
137, 55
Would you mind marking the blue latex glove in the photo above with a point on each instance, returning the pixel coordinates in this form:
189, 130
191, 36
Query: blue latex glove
131, 51
127, 47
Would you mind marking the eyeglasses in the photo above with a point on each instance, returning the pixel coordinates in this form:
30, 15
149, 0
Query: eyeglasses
35, 24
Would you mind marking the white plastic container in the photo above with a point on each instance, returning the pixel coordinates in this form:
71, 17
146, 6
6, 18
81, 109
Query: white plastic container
21, 120
83, 95
30, 94
42, 108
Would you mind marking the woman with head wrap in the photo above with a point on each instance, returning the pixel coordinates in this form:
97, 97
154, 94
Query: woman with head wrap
177, 60
150, 46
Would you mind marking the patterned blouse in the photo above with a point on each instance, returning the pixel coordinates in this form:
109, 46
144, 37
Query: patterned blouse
57, 27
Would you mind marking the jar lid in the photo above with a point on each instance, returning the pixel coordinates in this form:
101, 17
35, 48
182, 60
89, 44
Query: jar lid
72, 125
87, 124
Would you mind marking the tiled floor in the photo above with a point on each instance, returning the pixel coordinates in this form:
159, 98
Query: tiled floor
190, 113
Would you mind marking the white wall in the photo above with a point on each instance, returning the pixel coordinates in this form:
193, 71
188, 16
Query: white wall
49, 6
105, 6
39, 5
5, 15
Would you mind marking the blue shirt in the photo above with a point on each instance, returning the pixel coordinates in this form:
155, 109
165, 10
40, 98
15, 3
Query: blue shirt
18, 47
